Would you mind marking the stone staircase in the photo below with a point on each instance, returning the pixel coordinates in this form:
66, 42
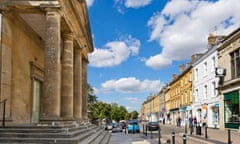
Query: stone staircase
83, 133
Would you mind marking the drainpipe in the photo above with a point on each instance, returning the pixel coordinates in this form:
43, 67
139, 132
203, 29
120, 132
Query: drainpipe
1, 56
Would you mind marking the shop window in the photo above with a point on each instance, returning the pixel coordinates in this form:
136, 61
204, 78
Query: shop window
231, 105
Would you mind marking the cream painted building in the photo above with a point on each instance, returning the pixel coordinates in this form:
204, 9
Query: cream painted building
43, 55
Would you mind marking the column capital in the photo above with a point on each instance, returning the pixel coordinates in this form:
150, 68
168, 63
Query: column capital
49, 8
68, 36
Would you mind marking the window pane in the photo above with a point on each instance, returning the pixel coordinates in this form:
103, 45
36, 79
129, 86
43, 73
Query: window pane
228, 113
232, 66
238, 65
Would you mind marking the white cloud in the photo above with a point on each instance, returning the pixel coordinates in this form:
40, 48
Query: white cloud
115, 52
136, 3
89, 2
122, 5
133, 100
182, 27
131, 85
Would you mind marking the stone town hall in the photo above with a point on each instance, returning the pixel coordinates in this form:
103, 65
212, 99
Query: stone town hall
43, 60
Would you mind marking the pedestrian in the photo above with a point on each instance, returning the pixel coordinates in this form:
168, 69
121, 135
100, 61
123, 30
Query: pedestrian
204, 121
164, 121
178, 121
195, 121
190, 122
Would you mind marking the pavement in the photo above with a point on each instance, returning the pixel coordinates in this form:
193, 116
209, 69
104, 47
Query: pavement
213, 136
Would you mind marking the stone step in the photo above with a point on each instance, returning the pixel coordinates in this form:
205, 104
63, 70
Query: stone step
35, 133
101, 138
64, 135
106, 139
98, 133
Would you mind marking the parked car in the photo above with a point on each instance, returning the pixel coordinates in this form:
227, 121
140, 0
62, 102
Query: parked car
153, 126
116, 128
109, 126
133, 127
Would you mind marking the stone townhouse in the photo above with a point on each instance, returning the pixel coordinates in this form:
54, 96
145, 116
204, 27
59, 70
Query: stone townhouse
178, 96
228, 72
43, 60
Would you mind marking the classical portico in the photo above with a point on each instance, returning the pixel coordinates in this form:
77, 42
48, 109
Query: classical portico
64, 31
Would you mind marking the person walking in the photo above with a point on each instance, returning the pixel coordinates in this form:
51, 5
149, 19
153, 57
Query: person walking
195, 121
190, 122
204, 121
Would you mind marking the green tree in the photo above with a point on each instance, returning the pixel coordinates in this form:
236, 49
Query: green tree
134, 114
100, 110
122, 112
92, 100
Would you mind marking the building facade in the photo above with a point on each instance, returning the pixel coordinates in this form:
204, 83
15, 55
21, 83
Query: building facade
229, 85
43, 54
180, 95
205, 85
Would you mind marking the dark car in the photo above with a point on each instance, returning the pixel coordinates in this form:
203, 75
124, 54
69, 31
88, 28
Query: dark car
153, 126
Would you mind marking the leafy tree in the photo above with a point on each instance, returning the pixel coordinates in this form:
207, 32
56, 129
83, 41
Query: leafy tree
100, 110
134, 114
92, 98
122, 112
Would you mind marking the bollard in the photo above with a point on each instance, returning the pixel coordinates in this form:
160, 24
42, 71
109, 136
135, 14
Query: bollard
200, 130
184, 139
196, 130
133, 129
206, 132
229, 136
159, 135
173, 137
186, 128
143, 130
151, 133
146, 130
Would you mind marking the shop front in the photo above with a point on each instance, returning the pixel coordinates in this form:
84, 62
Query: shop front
231, 110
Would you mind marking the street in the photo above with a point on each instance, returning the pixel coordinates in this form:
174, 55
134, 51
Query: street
215, 136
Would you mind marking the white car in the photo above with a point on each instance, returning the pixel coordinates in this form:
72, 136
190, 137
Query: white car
109, 126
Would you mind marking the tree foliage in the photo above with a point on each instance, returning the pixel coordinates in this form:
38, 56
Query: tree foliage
100, 110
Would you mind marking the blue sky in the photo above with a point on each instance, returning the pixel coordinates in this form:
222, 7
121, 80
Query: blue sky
139, 44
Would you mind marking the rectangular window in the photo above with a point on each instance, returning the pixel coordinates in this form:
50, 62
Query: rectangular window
235, 64
196, 95
205, 69
196, 74
214, 89
205, 92
213, 64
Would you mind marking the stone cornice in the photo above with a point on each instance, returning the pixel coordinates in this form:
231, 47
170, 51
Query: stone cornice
25, 6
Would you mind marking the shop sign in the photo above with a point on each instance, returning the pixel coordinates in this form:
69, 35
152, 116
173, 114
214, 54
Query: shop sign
204, 107
189, 108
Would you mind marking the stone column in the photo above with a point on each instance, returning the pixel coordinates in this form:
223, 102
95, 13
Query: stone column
67, 77
52, 73
77, 106
84, 88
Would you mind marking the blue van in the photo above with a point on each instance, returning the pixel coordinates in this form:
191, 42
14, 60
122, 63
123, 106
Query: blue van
133, 126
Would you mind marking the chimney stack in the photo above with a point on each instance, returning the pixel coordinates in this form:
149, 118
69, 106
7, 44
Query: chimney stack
212, 39
174, 76
182, 68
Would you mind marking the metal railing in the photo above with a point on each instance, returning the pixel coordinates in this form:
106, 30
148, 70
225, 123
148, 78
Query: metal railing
3, 113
